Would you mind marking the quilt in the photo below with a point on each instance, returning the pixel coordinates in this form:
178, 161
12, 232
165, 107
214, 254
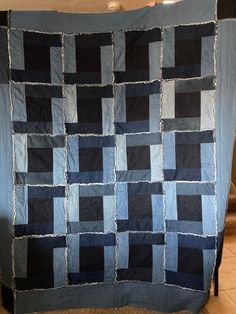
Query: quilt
116, 145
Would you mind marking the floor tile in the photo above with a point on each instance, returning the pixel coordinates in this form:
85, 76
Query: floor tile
227, 252
232, 294
227, 273
230, 243
222, 304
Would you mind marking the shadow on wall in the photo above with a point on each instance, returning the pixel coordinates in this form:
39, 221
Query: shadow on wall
6, 264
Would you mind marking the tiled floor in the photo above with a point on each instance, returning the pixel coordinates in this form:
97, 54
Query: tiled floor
225, 303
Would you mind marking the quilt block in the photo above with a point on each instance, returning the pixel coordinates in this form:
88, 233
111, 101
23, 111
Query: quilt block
139, 207
137, 108
188, 51
137, 55
91, 208
188, 104
89, 109
90, 159
88, 59
181, 249
138, 157
40, 210
140, 257
190, 208
190, 158
37, 109
40, 262
36, 57
39, 159
91, 258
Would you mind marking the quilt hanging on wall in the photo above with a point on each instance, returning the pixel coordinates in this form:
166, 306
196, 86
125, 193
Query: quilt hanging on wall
116, 138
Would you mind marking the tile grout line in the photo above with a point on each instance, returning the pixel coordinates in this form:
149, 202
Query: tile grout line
234, 301
234, 254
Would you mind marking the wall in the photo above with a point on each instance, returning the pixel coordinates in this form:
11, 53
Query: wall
71, 5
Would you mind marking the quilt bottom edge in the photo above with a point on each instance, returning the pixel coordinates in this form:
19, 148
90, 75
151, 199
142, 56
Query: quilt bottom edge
148, 296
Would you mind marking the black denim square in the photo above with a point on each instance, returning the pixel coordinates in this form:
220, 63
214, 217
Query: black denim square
140, 206
137, 57
190, 261
91, 259
140, 255
138, 157
90, 159
187, 105
188, 52
189, 207
89, 110
38, 109
40, 210
91, 208
40, 160
188, 156
37, 58
137, 108
88, 59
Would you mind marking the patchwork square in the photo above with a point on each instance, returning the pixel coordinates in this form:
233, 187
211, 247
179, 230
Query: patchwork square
195, 268
186, 156
188, 51
35, 57
188, 104
89, 110
91, 208
37, 109
40, 263
181, 250
137, 108
133, 158
137, 55
39, 210
91, 258
139, 207
192, 52
88, 59
39, 159
91, 159
141, 257
139, 157
191, 208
